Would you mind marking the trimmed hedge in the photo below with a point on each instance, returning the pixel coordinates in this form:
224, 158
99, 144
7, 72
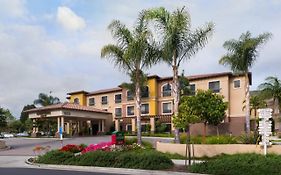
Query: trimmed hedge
145, 159
242, 164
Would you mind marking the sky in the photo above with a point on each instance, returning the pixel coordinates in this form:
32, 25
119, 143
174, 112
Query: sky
54, 45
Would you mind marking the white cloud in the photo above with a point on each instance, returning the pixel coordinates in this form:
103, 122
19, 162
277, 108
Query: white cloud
14, 8
69, 20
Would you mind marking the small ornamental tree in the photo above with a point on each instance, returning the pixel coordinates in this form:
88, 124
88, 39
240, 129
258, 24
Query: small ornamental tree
210, 108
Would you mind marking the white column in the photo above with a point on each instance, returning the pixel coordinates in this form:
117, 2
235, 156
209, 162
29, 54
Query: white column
102, 125
67, 128
117, 125
58, 120
62, 124
33, 126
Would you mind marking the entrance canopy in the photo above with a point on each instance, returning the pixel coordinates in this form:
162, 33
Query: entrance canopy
68, 113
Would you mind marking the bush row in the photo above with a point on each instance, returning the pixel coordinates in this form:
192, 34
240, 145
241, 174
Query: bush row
242, 164
146, 159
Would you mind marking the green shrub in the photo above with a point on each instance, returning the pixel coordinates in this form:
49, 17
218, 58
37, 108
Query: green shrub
242, 164
130, 141
253, 139
55, 157
223, 139
140, 159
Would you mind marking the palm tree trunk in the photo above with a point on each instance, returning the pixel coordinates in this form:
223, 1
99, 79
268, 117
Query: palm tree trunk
138, 106
247, 116
218, 133
176, 95
204, 133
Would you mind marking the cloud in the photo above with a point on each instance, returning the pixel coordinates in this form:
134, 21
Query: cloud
69, 20
15, 8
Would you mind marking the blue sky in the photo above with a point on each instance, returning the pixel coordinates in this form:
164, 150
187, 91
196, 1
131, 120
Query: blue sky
54, 45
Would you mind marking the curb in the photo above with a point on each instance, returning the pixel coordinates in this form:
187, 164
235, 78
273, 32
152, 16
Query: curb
6, 148
105, 169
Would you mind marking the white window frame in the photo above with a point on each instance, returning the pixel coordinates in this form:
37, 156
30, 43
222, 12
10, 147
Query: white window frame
127, 96
106, 99
148, 109
239, 84
215, 81
162, 89
115, 98
89, 101
127, 110
115, 111
162, 108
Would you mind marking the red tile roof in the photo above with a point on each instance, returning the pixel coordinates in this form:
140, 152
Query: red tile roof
67, 105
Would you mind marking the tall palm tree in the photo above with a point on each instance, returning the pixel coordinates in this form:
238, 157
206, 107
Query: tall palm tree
132, 53
241, 56
272, 89
45, 100
178, 43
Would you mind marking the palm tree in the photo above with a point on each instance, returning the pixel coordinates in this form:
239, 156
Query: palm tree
241, 56
45, 100
272, 89
132, 53
178, 43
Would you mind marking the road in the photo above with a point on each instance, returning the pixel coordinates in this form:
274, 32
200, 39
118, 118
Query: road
35, 171
24, 146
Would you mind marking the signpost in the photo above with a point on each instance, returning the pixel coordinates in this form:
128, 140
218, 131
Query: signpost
265, 127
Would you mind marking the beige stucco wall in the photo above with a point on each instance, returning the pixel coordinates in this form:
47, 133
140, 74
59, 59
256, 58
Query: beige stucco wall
201, 150
110, 106
237, 96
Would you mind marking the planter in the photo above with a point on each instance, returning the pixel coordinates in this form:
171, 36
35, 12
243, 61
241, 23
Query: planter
210, 150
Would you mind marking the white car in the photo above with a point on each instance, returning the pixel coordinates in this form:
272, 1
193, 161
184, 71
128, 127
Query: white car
6, 135
22, 134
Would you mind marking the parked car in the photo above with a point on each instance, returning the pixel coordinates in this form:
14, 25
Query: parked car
22, 134
7, 135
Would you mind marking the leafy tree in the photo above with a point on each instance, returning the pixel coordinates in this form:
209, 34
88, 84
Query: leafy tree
24, 115
241, 56
177, 42
3, 121
133, 52
45, 100
16, 126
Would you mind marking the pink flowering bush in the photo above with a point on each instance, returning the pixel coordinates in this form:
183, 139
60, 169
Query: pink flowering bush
105, 146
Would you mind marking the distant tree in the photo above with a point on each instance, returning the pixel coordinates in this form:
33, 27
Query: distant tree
271, 89
241, 56
45, 100
16, 126
24, 115
3, 121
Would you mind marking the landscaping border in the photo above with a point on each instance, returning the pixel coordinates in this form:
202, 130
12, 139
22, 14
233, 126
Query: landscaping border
210, 150
105, 169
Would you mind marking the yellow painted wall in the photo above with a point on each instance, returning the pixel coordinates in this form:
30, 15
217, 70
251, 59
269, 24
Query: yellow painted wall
152, 85
80, 96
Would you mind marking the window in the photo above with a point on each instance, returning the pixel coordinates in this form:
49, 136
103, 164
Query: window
130, 110
214, 86
192, 89
167, 108
118, 112
130, 96
104, 100
76, 101
145, 92
91, 101
118, 98
166, 90
145, 109
236, 83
